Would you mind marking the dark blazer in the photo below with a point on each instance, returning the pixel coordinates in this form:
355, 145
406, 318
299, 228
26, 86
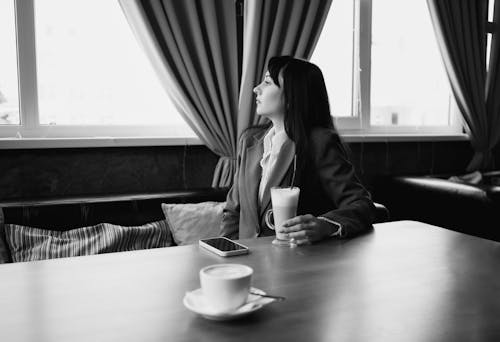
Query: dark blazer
328, 186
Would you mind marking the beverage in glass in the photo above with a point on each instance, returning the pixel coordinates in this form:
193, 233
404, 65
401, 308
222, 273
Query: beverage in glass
284, 202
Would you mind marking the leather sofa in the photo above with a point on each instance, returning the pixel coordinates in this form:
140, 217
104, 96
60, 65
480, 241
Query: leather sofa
473, 209
126, 210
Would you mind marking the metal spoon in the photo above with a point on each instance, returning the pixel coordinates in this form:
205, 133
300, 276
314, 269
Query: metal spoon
277, 298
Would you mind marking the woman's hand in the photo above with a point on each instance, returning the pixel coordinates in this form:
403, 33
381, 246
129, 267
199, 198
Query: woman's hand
306, 229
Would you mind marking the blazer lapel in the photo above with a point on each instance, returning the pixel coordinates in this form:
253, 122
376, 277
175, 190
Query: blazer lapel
278, 173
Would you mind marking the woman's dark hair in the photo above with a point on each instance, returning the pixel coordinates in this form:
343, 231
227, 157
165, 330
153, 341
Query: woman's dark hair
306, 100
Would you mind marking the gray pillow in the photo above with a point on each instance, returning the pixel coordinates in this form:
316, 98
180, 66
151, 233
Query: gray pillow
28, 244
191, 222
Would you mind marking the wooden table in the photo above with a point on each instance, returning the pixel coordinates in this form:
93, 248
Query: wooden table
406, 281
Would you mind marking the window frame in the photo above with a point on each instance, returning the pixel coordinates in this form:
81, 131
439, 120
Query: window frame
359, 123
491, 29
32, 131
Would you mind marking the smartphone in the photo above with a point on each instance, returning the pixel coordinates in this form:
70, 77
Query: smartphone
223, 246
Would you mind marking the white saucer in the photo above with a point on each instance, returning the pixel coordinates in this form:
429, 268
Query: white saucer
195, 302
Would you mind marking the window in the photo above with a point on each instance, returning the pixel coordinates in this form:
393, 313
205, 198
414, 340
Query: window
9, 99
68, 70
337, 63
391, 65
489, 29
409, 86
92, 77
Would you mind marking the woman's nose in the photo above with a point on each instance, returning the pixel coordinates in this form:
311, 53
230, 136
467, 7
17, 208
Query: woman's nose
256, 90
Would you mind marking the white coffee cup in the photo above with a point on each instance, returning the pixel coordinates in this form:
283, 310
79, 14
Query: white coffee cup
284, 202
225, 286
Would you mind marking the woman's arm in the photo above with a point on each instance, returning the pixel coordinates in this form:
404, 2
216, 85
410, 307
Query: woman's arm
231, 213
354, 207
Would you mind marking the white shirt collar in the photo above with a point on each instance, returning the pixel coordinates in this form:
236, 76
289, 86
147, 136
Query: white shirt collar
274, 141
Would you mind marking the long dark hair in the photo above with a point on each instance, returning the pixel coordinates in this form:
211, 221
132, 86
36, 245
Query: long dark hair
306, 100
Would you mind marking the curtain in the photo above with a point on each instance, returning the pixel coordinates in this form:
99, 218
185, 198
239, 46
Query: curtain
460, 27
271, 28
193, 48
493, 81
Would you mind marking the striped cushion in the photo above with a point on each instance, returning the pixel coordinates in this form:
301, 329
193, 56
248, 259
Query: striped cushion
28, 244
4, 250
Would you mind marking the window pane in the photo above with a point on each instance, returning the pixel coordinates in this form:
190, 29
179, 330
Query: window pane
333, 54
488, 50
9, 98
92, 71
409, 86
491, 6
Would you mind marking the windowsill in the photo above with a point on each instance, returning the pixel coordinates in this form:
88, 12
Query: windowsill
395, 137
40, 143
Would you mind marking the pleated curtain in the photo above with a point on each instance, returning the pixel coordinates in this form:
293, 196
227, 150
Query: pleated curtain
193, 46
493, 85
460, 27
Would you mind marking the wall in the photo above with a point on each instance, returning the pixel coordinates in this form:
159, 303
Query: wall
38, 173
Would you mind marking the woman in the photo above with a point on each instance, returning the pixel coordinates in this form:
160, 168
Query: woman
299, 145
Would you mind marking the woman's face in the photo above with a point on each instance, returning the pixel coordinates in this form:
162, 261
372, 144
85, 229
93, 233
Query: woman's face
269, 98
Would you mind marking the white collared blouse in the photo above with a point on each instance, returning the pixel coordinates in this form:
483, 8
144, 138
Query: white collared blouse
273, 142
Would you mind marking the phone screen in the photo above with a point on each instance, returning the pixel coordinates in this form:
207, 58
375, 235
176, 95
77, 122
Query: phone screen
223, 244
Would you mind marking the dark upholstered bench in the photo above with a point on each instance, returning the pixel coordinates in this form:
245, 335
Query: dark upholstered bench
124, 213
462, 207
125, 209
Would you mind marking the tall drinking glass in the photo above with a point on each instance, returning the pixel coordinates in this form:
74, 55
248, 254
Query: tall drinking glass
284, 202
